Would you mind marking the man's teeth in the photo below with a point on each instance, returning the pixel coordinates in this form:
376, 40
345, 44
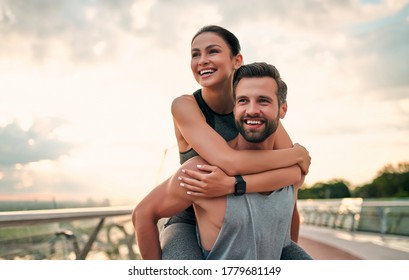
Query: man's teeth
253, 122
207, 71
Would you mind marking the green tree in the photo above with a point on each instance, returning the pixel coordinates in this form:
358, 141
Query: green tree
333, 189
366, 191
391, 181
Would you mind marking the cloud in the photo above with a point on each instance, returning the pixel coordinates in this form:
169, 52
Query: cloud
93, 30
346, 50
31, 179
81, 26
28, 157
379, 47
35, 144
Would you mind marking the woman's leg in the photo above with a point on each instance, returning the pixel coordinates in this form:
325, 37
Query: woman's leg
294, 252
178, 238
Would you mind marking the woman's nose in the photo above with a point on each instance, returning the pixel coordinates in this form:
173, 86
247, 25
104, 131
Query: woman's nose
203, 60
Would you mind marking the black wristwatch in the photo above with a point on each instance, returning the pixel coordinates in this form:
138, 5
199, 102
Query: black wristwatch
239, 186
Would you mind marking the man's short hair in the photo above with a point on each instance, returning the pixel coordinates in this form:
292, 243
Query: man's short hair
260, 70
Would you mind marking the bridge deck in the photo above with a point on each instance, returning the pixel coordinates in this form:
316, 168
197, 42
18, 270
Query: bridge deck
329, 244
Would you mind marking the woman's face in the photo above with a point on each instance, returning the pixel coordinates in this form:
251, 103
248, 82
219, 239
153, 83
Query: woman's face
211, 61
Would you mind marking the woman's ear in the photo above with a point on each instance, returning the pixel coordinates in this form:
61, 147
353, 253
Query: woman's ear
238, 61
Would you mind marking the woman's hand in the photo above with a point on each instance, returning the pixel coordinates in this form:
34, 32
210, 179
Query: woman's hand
208, 181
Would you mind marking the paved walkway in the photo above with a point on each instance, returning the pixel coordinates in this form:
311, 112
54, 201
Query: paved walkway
329, 244
322, 251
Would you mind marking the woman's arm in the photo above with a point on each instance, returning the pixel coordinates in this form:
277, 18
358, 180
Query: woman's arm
211, 181
215, 150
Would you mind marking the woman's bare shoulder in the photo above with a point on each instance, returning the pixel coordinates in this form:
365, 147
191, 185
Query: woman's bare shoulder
184, 103
183, 99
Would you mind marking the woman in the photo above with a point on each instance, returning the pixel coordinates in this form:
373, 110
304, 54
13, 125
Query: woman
204, 123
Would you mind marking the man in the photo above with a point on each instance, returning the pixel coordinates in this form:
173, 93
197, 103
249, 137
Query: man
240, 226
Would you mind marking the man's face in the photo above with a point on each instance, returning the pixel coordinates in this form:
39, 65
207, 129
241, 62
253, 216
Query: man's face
256, 109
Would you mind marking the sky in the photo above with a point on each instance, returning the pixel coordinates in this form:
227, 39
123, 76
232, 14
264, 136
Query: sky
86, 87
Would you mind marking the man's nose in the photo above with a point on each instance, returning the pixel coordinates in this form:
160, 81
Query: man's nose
253, 108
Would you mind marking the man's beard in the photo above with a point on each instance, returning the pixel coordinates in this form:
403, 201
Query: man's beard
257, 137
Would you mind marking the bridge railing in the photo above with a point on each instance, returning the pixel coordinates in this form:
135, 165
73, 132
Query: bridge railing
107, 232
77, 233
356, 214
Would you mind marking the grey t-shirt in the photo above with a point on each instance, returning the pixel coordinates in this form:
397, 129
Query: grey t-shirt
255, 227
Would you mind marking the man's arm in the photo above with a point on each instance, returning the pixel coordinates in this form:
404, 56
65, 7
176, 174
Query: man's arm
295, 224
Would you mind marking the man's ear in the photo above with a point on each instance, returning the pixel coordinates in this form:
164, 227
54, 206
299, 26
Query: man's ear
283, 110
238, 61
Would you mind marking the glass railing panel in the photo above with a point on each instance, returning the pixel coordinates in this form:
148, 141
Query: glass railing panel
66, 240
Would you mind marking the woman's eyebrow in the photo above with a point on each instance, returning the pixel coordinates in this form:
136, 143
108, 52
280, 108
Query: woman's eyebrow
207, 47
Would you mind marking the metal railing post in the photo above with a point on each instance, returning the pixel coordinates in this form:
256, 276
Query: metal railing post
90, 241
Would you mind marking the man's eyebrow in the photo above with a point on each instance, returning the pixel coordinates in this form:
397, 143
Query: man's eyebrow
207, 47
241, 96
265, 97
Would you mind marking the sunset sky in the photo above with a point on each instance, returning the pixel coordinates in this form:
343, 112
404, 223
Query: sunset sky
86, 87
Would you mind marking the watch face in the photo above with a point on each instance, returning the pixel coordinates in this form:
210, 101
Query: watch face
240, 186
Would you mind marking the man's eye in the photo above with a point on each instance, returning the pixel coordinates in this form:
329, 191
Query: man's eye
195, 55
264, 101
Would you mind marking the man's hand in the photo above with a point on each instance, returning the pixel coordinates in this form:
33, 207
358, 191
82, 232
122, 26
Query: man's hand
305, 159
209, 181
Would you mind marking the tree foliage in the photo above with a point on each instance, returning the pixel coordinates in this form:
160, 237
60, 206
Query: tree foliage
332, 189
391, 181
